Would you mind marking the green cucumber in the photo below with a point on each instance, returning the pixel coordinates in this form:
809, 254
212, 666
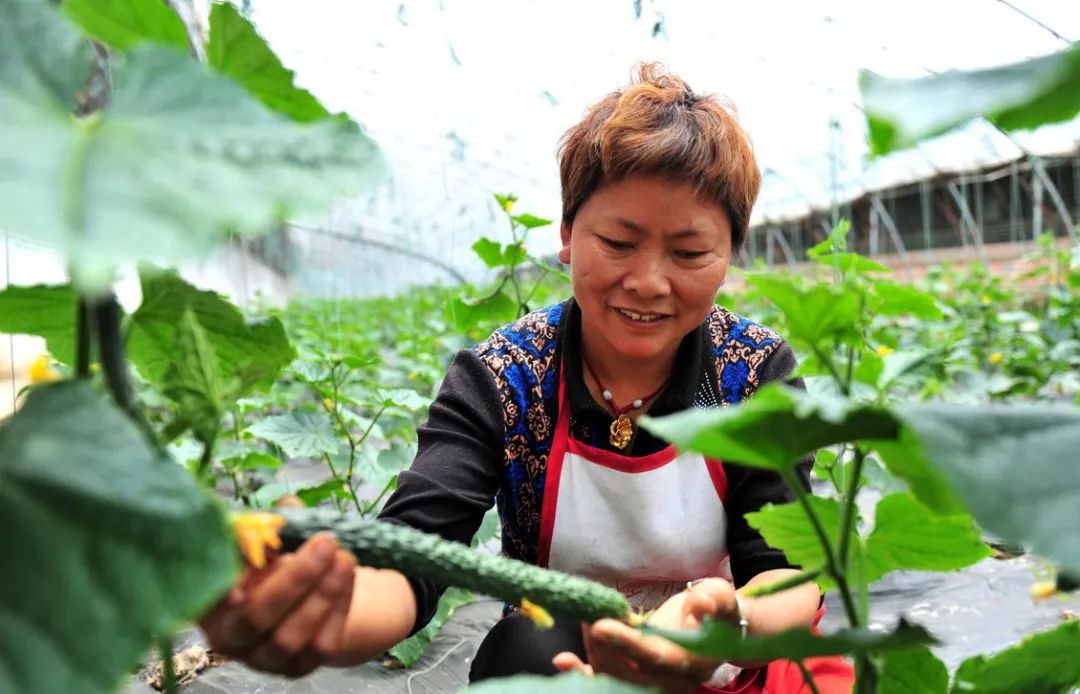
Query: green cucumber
385, 545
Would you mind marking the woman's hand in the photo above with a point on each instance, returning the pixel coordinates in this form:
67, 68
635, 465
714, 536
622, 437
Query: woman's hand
619, 650
288, 617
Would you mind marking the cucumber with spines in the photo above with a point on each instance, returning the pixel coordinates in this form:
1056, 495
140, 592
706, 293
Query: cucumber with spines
384, 545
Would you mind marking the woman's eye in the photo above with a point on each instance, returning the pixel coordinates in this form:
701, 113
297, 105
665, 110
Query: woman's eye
616, 245
690, 255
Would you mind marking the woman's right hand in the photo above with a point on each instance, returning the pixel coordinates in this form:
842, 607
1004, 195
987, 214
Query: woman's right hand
288, 617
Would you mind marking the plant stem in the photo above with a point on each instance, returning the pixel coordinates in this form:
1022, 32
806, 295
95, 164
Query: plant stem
830, 556
850, 507
206, 460
865, 675
82, 338
807, 677
375, 502
165, 646
833, 371
782, 585
347, 485
236, 486
107, 323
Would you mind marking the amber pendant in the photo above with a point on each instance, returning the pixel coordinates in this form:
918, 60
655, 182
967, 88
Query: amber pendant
621, 431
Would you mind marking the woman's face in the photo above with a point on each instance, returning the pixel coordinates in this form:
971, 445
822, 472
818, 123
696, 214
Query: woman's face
647, 257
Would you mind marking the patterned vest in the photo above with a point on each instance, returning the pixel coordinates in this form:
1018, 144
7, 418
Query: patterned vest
523, 357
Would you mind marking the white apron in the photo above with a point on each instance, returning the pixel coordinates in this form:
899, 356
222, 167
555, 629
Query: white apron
644, 526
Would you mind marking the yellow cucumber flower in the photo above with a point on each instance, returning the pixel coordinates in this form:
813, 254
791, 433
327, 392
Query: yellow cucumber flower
42, 371
254, 533
539, 616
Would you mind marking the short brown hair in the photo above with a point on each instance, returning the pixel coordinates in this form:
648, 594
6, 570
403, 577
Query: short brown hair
658, 125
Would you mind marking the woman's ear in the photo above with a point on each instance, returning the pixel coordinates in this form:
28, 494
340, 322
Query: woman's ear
564, 252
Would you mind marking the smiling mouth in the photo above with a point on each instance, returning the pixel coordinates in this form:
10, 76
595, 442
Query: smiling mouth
641, 317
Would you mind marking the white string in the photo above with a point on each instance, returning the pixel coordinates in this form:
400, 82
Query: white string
437, 663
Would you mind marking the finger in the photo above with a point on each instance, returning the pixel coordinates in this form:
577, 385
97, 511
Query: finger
331, 637
302, 664
653, 656
300, 627
228, 629
215, 623
570, 662
292, 579
713, 597
289, 501
606, 658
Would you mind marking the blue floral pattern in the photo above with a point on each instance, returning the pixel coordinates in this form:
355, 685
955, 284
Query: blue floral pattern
523, 358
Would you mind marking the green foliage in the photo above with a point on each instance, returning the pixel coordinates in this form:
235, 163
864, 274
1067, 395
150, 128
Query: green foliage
1044, 662
786, 527
158, 174
251, 353
410, 650
195, 382
722, 641
774, 428
121, 24
44, 310
236, 49
905, 535
1013, 466
1020, 95
298, 434
913, 670
84, 556
815, 314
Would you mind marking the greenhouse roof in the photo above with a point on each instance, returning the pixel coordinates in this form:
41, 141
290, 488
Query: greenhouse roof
470, 98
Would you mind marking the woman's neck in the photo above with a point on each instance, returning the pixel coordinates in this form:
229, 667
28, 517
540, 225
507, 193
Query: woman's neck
627, 378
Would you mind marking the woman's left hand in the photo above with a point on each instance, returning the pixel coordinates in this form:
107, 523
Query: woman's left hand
619, 650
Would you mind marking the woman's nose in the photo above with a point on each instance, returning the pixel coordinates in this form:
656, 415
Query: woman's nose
648, 278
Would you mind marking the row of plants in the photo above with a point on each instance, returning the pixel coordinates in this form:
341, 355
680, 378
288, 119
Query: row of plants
122, 148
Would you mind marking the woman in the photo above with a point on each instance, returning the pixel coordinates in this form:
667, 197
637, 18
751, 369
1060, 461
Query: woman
657, 188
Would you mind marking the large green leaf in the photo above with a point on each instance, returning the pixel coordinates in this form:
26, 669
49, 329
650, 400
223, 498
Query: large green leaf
123, 23
494, 254
299, 434
559, 684
908, 535
251, 353
1014, 466
467, 313
894, 299
774, 428
849, 263
410, 650
786, 527
194, 380
530, 221
905, 458
180, 157
722, 641
815, 314
47, 311
1045, 663
107, 544
913, 670
236, 49
1020, 95
43, 63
